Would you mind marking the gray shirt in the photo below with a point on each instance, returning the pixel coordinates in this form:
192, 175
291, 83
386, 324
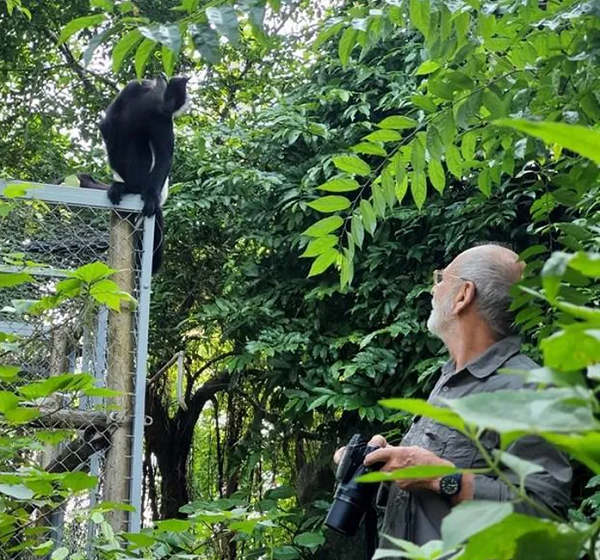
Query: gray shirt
417, 516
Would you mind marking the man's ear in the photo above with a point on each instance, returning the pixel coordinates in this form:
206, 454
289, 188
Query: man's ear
464, 298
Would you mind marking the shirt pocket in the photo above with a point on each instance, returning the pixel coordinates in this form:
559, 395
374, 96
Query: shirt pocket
456, 447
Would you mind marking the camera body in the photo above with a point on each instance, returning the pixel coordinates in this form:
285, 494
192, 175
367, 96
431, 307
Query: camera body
352, 499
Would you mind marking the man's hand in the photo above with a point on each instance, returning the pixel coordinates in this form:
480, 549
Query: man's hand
377, 440
402, 457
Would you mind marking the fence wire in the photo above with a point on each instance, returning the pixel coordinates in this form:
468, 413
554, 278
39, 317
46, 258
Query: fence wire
56, 233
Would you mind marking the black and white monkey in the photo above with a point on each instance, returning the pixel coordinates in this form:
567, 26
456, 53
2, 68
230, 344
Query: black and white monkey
138, 134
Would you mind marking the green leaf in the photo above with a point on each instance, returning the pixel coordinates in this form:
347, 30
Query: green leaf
418, 188
586, 263
140, 540
78, 24
423, 102
11, 279
347, 43
418, 154
402, 188
8, 401
573, 348
285, 553
420, 15
18, 189
142, 55
437, 175
358, 231
454, 161
484, 182
174, 525
408, 473
319, 245
368, 216
324, 226
352, 164
552, 273
468, 144
519, 466
580, 139
471, 517
378, 199
17, 491
9, 373
22, 415
78, 481
522, 537
580, 312
123, 48
548, 376
310, 540
324, 261
108, 293
95, 42
389, 186
346, 269
331, 28
206, 42
168, 58
93, 272
556, 410
397, 122
224, 19
369, 148
435, 146
167, 35
583, 447
427, 67
384, 135
60, 553
423, 408
330, 203
339, 184
66, 382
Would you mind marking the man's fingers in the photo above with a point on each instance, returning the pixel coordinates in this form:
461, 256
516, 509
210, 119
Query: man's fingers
337, 457
378, 441
382, 455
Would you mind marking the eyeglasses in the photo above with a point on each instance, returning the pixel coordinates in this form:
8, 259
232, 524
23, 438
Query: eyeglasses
438, 277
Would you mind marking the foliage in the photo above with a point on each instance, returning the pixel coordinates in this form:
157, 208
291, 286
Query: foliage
480, 63
279, 368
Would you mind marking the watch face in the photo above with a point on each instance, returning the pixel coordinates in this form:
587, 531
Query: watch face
449, 485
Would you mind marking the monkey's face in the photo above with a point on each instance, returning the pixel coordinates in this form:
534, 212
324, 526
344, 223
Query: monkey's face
177, 97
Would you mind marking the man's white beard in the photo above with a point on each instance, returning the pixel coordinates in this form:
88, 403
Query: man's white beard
440, 317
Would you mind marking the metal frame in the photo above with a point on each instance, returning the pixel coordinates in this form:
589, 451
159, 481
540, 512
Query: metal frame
90, 198
63, 194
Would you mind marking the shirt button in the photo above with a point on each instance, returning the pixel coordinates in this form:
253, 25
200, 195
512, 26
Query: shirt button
444, 389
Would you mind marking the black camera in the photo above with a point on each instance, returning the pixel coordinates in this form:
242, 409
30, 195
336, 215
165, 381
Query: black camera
352, 499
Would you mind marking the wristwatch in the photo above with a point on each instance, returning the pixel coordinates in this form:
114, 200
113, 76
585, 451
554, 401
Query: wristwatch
450, 485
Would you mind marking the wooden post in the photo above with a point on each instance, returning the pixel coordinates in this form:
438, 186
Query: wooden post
120, 370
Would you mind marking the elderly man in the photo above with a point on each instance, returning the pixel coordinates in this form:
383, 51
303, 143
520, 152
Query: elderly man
471, 316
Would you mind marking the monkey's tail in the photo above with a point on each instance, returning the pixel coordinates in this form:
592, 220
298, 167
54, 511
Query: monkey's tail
159, 240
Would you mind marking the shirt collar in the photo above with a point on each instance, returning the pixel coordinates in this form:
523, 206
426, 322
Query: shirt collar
491, 360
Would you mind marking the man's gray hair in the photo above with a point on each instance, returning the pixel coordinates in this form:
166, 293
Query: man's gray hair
493, 278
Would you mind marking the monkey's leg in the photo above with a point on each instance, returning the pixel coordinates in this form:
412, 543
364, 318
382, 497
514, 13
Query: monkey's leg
88, 182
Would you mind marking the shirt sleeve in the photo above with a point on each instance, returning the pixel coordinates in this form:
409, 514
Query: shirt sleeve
550, 488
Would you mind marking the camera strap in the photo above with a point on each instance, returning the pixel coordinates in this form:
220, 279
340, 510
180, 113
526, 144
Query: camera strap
370, 532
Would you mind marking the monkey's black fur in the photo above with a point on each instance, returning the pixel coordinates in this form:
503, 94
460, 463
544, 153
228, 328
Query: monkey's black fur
139, 139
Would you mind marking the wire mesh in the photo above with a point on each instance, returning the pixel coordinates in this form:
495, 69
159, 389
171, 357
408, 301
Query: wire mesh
51, 236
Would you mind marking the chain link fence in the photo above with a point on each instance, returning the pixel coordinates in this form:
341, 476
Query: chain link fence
50, 233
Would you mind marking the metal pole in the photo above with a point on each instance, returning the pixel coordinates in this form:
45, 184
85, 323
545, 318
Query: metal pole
135, 520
